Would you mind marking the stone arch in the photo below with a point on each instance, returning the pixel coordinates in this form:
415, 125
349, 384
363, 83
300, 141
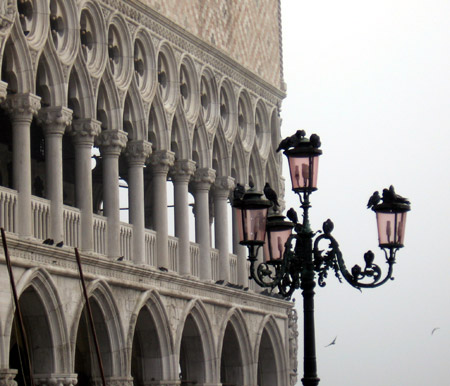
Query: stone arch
108, 327
34, 26
149, 319
272, 175
209, 99
275, 130
255, 169
108, 106
17, 67
239, 169
262, 128
80, 98
167, 72
50, 83
246, 124
180, 142
44, 322
189, 89
158, 133
220, 157
134, 122
235, 345
145, 64
200, 146
93, 38
195, 336
269, 354
228, 109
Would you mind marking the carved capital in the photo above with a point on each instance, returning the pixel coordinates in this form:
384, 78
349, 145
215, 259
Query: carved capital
182, 170
161, 161
22, 106
203, 178
55, 379
84, 130
111, 142
223, 186
54, 119
137, 152
7, 377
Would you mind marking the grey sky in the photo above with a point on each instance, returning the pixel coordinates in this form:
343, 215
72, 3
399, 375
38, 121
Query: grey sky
373, 80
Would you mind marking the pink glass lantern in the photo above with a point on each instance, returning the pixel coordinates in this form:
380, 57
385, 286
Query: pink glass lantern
391, 222
303, 166
278, 232
251, 214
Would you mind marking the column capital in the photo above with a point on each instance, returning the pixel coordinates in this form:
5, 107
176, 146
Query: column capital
182, 170
223, 186
55, 379
7, 377
54, 119
111, 142
84, 130
203, 178
162, 160
137, 151
22, 106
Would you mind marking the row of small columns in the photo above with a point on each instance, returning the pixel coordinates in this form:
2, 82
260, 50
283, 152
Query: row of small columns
55, 121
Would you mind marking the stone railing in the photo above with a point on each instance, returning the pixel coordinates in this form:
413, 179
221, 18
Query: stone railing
8, 205
40, 212
214, 264
72, 226
150, 247
173, 253
195, 259
126, 240
233, 268
99, 231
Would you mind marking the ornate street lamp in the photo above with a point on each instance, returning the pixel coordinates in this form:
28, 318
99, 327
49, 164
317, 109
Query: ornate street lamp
287, 267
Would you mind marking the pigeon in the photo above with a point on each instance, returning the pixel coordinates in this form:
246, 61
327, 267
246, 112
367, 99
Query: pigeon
374, 200
48, 242
434, 330
220, 281
60, 244
239, 191
120, 258
390, 197
292, 215
163, 269
292, 141
315, 141
332, 343
271, 194
328, 227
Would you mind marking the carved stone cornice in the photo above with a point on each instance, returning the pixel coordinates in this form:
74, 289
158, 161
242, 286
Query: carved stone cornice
84, 130
182, 170
223, 186
203, 178
22, 106
161, 161
137, 152
54, 119
111, 142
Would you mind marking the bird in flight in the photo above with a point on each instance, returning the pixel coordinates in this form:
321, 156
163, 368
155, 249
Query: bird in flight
333, 342
434, 330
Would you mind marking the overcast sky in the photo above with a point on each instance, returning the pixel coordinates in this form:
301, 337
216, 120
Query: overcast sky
372, 78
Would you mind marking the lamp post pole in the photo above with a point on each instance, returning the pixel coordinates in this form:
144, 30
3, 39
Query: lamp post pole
287, 267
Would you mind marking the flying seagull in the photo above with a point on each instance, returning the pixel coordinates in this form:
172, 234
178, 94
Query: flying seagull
333, 342
434, 330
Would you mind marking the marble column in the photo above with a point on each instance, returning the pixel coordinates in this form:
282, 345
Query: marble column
201, 183
222, 188
111, 143
161, 161
181, 173
54, 121
137, 153
84, 132
241, 253
21, 108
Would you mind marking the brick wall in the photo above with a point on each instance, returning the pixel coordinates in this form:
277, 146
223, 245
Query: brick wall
247, 30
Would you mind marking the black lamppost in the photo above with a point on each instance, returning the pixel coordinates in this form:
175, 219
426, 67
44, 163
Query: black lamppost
288, 267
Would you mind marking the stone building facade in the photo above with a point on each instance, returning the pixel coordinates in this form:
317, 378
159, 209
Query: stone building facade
156, 96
